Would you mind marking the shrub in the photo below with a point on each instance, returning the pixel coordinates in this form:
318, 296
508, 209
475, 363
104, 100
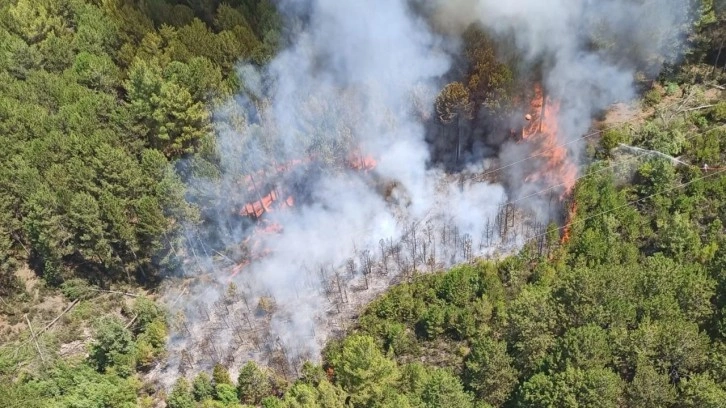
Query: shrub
652, 97
718, 113
76, 289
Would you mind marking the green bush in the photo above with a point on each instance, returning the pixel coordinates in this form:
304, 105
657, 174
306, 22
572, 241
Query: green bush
718, 112
653, 97
253, 384
113, 346
76, 289
611, 138
202, 388
709, 146
226, 393
147, 312
671, 88
181, 395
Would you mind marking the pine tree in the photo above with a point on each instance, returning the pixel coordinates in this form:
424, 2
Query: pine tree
252, 384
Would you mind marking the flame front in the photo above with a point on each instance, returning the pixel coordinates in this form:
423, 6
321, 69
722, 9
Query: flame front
265, 197
542, 130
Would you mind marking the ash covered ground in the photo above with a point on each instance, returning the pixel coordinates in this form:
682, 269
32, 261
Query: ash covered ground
222, 316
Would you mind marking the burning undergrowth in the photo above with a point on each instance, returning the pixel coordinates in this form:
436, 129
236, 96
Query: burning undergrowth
327, 194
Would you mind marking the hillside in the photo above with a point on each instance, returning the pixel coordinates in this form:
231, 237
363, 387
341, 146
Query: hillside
223, 204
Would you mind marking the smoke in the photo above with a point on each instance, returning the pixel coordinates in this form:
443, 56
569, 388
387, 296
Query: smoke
357, 80
589, 53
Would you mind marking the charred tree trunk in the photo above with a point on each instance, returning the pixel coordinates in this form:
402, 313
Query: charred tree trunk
186, 363
413, 247
259, 195
544, 108
350, 264
341, 289
367, 265
384, 258
458, 140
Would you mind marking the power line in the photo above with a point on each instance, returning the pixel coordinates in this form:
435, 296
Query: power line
570, 223
564, 144
612, 166
541, 152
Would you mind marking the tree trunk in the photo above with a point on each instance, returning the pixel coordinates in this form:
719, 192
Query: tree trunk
718, 56
259, 196
35, 340
458, 138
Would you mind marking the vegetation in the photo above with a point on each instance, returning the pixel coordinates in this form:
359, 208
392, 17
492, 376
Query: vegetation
96, 101
100, 102
628, 311
37, 372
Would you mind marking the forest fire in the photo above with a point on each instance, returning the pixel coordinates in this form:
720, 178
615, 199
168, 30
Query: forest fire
254, 244
268, 198
361, 162
268, 195
542, 130
571, 212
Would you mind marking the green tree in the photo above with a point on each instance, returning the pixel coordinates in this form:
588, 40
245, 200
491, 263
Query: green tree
452, 102
532, 321
151, 343
32, 20
252, 384
488, 371
96, 72
301, 396
701, 391
220, 375
489, 80
442, 390
602, 295
324, 395
650, 389
202, 387
147, 312
226, 393
113, 346
572, 388
362, 370
585, 347
166, 115
181, 395
312, 374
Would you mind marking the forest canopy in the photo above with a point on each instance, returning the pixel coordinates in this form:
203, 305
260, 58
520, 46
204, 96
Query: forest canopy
106, 109
96, 101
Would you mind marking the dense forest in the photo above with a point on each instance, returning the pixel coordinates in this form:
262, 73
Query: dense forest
97, 100
104, 105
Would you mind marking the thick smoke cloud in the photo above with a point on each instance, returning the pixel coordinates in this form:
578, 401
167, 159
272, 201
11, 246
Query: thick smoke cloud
360, 78
589, 53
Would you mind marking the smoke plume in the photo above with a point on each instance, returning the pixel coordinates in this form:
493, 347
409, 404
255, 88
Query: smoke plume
357, 81
588, 52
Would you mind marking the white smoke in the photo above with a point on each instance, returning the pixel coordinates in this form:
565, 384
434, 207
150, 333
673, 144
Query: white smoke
362, 76
589, 52
357, 77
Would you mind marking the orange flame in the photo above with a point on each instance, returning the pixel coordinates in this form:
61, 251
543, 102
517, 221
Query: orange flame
542, 130
568, 224
362, 163
265, 203
256, 208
